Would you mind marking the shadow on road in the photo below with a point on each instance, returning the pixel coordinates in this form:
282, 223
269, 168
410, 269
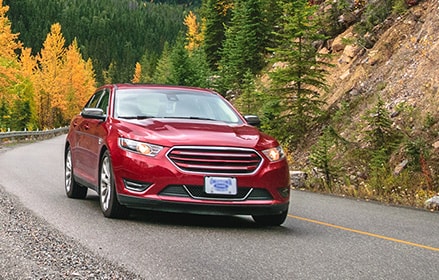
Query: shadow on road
188, 220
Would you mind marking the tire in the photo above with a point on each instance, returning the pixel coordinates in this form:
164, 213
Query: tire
271, 220
72, 188
110, 206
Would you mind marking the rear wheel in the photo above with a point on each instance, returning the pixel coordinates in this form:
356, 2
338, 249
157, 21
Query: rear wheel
271, 220
73, 189
110, 206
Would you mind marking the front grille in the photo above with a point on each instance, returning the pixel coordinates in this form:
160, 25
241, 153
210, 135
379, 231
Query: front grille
215, 160
197, 192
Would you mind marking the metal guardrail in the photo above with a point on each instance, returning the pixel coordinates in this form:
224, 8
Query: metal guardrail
15, 136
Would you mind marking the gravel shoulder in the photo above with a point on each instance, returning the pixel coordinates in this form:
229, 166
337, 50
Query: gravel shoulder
30, 248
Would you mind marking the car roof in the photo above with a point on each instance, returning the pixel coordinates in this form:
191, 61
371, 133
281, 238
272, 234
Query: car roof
157, 86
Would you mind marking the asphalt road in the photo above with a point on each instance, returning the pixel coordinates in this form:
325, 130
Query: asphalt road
324, 237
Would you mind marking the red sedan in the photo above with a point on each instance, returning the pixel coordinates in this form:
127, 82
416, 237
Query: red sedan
177, 149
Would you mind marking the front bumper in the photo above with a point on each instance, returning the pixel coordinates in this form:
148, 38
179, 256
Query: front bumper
157, 184
199, 208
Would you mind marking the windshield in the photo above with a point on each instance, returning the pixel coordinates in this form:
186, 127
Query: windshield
172, 103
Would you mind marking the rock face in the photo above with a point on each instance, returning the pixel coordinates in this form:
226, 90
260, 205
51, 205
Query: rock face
432, 203
298, 179
400, 67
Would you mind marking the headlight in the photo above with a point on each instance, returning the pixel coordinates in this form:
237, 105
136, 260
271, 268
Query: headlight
274, 154
140, 147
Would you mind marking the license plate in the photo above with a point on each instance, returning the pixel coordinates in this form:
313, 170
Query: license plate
220, 185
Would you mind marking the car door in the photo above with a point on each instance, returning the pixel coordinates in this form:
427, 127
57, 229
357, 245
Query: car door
91, 134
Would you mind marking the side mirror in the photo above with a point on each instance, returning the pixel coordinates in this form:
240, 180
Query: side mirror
93, 113
253, 120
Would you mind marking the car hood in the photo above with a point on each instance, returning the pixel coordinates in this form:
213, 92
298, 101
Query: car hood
181, 132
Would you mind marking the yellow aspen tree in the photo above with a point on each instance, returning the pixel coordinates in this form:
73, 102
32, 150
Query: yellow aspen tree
8, 72
137, 73
28, 68
51, 85
9, 67
194, 36
8, 44
28, 62
8, 40
80, 80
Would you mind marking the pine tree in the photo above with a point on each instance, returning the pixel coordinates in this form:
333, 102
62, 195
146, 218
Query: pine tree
244, 47
216, 15
379, 132
246, 102
201, 73
380, 135
322, 156
164, 67
148, 63
181, 72
299, 76
272, 13
108, 75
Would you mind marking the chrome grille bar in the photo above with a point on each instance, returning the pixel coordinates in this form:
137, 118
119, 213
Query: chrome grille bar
215, 159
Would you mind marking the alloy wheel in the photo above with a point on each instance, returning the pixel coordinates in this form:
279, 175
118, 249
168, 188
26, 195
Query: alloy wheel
105, 184
68, 171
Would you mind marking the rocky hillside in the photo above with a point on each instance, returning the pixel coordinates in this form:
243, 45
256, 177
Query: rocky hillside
401, 68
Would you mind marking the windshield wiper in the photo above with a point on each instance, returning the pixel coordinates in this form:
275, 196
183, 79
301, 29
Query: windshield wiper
141, 117
191, 118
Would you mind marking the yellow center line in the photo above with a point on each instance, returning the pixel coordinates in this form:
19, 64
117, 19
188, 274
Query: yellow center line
366, 233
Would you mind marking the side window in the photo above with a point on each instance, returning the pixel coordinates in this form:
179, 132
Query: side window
94, 100
103, 103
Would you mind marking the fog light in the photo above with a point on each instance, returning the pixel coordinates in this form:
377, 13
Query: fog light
284, 192
136, 186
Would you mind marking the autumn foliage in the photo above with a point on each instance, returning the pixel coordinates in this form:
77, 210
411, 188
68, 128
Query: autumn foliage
45, 90
8, 63
137, 73
194, 35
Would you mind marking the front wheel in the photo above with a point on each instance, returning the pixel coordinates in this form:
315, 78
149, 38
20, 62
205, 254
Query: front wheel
110, 206
72, 188
271, 220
